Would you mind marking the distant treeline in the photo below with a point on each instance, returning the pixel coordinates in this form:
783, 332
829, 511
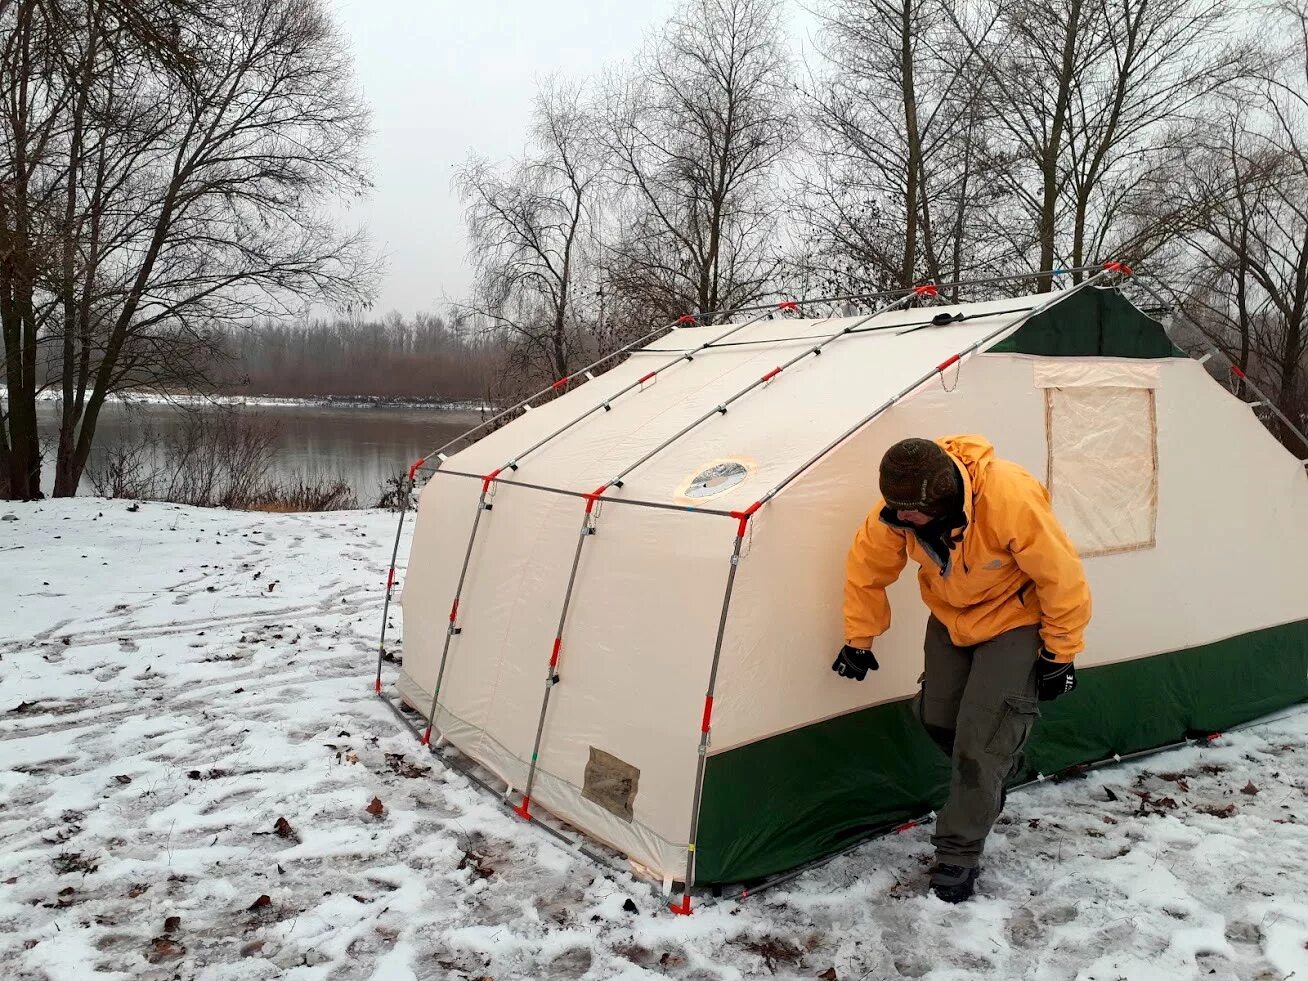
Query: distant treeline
420, 358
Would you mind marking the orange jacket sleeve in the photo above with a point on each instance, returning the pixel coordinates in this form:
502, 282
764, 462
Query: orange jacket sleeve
875, 560
1044, 551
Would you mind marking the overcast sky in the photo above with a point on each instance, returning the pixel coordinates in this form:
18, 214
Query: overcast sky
448, 76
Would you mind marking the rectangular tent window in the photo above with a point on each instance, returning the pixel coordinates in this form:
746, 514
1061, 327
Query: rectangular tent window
1103, 465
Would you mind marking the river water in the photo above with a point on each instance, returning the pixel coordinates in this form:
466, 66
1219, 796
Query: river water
361, 444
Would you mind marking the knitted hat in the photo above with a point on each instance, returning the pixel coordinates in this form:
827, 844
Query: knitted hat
917, 475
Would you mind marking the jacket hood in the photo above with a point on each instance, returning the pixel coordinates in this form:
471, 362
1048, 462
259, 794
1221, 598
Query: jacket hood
974, 454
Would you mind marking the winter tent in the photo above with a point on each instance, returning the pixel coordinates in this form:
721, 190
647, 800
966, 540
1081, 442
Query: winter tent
581, 577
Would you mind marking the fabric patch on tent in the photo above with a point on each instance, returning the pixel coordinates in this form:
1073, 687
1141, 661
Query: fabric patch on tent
611, 783
1103, 466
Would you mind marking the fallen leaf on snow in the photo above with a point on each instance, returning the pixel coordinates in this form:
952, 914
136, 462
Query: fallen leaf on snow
164, 949
1249, 789
283, 829
136, 890
828, 975
1221, 812
123, 778
376, 807
261, 902
400, 765
172, 924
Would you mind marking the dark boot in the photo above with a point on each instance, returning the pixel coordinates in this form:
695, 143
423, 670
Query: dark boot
952, 883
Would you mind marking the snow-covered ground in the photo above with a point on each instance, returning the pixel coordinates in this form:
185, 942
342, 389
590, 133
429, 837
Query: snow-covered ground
189, 748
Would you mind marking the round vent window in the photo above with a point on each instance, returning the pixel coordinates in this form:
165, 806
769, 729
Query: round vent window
716, 480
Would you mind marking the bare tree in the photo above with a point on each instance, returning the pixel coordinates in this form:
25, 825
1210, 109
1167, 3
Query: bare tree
528, 229
1247, 184
693, 134
902, 159
1089, 92
168, 170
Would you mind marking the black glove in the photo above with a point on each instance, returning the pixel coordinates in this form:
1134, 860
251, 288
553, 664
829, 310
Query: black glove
1053, 678
853, 662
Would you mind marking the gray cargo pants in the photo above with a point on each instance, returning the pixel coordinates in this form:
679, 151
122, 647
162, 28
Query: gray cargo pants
978, 704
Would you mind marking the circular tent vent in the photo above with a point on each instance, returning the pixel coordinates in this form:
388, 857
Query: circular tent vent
716, 480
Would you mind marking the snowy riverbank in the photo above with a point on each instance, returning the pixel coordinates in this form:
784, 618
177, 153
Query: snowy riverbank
187, 730
277, 401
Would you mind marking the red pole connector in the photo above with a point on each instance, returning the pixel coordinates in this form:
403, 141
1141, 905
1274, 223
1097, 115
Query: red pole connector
454, 611
926, 289
646, 378
771, 374
390, 578
554, 654
562, 381
413, 470
377, 686
949, 362
426, 737
594, 496
487, 480
523, 810
906, 826
790, 305
682, 908
686, 318
744, 516
1235, 370
707, 721
1118, 267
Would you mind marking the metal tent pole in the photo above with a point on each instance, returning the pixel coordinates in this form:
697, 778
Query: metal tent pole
494, 476
706, 723
588, 528
1239, 372
453, 628
390, 575
1109, 269
438, 453
607, 404
721, 409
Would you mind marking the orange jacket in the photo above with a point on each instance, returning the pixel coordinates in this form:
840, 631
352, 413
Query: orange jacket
1015, 566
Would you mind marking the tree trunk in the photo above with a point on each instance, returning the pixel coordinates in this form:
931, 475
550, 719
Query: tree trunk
914, 171
1047, 229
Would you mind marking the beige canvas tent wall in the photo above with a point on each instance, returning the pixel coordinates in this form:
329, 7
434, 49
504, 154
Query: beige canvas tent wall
589, 628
